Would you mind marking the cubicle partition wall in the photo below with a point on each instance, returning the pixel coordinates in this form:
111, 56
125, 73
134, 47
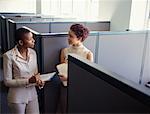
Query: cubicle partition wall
7, 15
93, 26
47, 26
41, 27
3, 48
92, 44
52, 44
51, 47
8, 28
22, 16
4, 39
0, 35
94, 89
123, 53
11, 28
98, 26
57, 27
48, 47
146, 60
51, 24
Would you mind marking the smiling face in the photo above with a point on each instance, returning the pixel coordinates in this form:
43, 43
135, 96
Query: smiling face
72, 38
28, 40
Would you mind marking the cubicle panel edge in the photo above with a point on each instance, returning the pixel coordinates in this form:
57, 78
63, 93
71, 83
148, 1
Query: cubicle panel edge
98, 26
11, 28
137, 93
4, 34
38, 48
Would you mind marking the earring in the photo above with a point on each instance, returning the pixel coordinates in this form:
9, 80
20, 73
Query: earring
20, 42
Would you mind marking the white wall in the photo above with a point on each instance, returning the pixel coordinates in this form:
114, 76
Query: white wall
117, 11
107, 8
24, 6
139, 15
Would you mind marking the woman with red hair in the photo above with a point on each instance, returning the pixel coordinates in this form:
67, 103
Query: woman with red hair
77, 34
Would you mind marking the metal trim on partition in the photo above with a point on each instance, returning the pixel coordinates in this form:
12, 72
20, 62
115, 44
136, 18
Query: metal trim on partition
49, 27
11, 28
4, 34
8, 36
143, 57
38, 48
97, 48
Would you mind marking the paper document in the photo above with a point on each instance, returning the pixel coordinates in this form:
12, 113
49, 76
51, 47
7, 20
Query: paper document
44, 77
64, 83
63, 70
47, 77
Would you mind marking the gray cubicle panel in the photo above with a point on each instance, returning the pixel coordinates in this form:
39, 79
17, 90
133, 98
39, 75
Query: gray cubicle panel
55, 27
54, 43
41, 27
16, 19
32, 19
98, 26
18, 16
11, 28
0, 37
51, 47
94, 89
146, 58
40, 19
61, 26
6, 14
91, 43
4, 48
3, 95
122, 53
4, 34
93, 26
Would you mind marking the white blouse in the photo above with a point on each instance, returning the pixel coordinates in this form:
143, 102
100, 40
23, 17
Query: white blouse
17, 71
79, 50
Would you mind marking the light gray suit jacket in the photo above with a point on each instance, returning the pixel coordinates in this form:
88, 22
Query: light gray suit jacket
17, 71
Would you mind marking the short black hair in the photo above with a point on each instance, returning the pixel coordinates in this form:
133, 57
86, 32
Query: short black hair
20, 33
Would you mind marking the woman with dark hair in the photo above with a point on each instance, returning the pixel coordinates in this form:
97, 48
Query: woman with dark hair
20, 74
77, 34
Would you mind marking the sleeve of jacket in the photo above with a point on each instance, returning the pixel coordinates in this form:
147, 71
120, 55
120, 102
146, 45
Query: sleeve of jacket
8, 74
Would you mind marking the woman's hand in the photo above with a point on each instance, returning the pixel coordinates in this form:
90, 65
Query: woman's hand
32, 79
63, 78
39, 82
36, 79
